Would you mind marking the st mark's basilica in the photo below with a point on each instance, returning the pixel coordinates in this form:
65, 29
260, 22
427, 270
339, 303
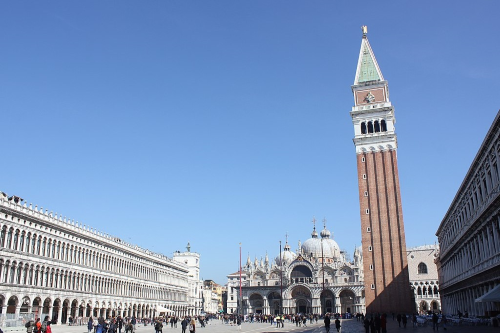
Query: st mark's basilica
317, 278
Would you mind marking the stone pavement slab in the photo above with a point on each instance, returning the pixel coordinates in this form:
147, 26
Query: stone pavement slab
348, 326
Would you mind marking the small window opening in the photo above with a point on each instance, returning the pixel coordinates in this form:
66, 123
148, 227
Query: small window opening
383, 126
370, 127
366, 193
370, 248
422, 268
368, 229
363, 128
373, 286
363, 159
364, 176
367, 211
371, 267
377, 126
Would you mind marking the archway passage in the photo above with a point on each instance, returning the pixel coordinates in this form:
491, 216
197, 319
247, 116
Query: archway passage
347, 298
301, 306
56, 306
65, 314
435, 306
256, 303
11, 305
274, 301
327, 301
302, 297
423, 307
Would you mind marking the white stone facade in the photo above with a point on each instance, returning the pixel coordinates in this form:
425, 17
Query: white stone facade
52, 266
316, 280
424, 278
469, 234
195, 294
210, 301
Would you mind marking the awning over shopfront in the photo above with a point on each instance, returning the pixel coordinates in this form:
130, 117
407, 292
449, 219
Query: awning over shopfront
161, 309
491, 296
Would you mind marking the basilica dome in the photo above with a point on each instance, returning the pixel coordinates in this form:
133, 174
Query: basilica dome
286, 255
321, 247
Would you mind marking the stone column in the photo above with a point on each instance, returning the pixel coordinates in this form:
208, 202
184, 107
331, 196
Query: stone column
337, 304
68, 312
265, 307
50, 312
59, 315
5, 278
18, 309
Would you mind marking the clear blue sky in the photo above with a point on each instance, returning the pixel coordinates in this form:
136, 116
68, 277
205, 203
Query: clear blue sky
219, 122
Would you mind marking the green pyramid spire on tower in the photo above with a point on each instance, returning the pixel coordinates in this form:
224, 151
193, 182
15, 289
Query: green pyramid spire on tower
368, 69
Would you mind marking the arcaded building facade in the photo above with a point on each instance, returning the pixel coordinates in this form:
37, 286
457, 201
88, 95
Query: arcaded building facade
469, 235
424, 280
316, 279
51, 266
382, 227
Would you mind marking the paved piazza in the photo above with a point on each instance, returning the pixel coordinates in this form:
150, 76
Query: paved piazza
348, 326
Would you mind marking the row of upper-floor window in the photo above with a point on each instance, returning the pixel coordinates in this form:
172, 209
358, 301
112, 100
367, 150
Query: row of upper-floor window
31, 243
484, 184
427, 291
373, 126
422, 267
483, 245
41, 276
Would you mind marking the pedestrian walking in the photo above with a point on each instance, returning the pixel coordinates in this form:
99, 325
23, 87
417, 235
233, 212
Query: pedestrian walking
192, 326
337, 324
327, 323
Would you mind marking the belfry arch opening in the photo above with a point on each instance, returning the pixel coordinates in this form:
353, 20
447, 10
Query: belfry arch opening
370, 127
376, 126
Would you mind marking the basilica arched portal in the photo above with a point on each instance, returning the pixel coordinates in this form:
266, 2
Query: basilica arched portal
274, 301
327, 299
301, 297
256, 303
347, 298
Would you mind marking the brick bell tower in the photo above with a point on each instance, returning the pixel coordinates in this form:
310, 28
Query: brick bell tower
387, 285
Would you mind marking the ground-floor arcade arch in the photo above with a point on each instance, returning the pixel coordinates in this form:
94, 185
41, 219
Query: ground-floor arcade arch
327, 299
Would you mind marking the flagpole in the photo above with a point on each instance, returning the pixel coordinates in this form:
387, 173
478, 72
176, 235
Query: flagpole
281, 282
239, 301
323, 263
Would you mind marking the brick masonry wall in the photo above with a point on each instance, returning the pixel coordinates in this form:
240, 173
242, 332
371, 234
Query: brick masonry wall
378, 175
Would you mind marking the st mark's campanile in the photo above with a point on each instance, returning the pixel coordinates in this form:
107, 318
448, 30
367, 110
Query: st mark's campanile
387, 285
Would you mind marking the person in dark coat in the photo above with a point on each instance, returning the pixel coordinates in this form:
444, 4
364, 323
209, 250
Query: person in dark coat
337, 324
366, 324
435, 320
383, 323
184, 324
377, 323
119, 323
90, 325
372, 325
327, 323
